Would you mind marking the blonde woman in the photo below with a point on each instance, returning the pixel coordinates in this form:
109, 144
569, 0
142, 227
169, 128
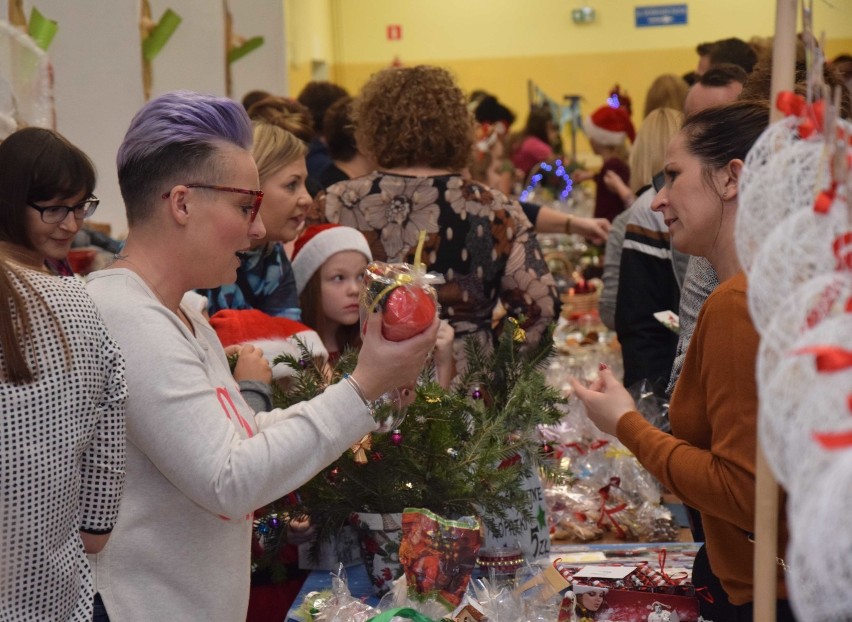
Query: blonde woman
265, 278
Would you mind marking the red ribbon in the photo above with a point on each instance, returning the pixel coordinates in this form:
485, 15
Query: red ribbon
842, 247
829, 359
810, 115
607, 513
834, 440
824, 199
704, 592
597, 445
511, 460
675, 579
580, 449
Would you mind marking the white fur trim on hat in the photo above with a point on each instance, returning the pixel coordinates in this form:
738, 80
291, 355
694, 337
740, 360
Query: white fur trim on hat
323, 245
578, 588
603, 137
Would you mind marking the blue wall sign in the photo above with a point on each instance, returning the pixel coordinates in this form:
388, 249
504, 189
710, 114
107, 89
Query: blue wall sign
663, 15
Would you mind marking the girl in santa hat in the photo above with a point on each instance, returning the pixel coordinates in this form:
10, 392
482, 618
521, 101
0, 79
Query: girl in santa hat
609, 128
329, 262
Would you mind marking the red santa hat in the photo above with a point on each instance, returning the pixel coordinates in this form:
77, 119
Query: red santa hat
319, 242
273, 335
610, 126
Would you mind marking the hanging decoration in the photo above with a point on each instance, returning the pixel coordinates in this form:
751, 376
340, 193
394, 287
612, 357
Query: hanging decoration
26, 74
236, 46
154, 37
39, 28
551, 179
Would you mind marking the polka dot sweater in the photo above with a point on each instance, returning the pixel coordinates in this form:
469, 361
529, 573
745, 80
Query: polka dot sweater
62, 454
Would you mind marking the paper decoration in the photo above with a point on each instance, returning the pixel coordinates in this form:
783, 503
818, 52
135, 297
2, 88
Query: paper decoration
41, 29
236, 53
154, 36
160, 34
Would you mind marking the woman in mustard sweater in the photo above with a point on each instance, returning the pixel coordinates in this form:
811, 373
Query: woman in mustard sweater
709, 459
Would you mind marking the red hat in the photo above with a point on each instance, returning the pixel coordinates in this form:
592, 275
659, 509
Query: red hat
319, 242
273, 335
610, 126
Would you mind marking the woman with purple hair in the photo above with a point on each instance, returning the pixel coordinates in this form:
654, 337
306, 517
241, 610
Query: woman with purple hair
200, 461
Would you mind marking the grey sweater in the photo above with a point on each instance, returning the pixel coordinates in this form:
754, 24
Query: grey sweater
199, 462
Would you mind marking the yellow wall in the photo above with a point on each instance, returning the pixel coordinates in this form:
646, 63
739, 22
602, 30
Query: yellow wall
498, 45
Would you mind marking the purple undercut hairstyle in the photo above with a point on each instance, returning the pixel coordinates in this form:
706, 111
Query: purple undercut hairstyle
175, 139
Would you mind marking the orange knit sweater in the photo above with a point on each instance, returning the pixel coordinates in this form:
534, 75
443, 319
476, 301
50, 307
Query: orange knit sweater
709, 459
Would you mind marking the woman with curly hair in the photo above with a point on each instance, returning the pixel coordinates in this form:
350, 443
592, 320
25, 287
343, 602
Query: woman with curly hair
414, 122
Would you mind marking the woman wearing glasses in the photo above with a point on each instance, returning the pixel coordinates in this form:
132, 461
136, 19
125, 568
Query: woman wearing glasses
44, 217
199, 459
62, 389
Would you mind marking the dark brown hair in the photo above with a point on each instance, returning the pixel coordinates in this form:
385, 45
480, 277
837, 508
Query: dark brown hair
37, 164
339, 130
317, 97
734, 51
537, 122
720, 134
313, 315
722, 75
759, 84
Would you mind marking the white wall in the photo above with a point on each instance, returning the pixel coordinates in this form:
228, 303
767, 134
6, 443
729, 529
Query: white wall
98, 69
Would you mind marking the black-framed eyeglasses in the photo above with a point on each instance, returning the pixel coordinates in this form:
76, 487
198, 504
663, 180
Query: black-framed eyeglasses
257, 195
658, 181
55, 214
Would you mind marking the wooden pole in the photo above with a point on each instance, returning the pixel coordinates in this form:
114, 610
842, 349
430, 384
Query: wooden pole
766, 486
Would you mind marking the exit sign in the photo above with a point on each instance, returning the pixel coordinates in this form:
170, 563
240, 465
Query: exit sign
394, 32
662, 15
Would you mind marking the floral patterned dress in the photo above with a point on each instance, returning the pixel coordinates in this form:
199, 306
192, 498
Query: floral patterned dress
479, 240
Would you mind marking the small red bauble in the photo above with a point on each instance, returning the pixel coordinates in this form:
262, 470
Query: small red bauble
408, 312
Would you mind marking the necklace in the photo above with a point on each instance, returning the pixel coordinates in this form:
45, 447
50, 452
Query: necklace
138, 271
178, 311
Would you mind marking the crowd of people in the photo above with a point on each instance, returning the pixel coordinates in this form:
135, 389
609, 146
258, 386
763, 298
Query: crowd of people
133, 456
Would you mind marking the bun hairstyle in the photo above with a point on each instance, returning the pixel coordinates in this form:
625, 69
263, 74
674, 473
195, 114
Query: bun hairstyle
285, 113
720, 134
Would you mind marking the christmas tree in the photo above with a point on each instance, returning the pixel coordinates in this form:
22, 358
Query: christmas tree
455, 453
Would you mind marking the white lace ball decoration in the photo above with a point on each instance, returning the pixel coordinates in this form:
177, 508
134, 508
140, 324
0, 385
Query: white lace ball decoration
779, 178
799, 401
820, 566
793, 253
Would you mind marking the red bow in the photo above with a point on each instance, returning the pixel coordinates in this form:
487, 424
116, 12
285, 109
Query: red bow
606, 513
842, 247
810, 115
834, 440
829, 358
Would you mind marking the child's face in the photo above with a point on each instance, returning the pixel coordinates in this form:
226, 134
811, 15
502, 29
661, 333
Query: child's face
340, 281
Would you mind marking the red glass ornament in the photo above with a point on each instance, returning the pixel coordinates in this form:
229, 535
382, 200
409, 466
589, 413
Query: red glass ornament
396, 437
408, 312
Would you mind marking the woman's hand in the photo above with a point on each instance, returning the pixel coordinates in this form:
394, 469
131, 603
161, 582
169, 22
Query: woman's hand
384, 365
300, 531
582, 175
606, 400
596, 230
617, 186
251, 365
